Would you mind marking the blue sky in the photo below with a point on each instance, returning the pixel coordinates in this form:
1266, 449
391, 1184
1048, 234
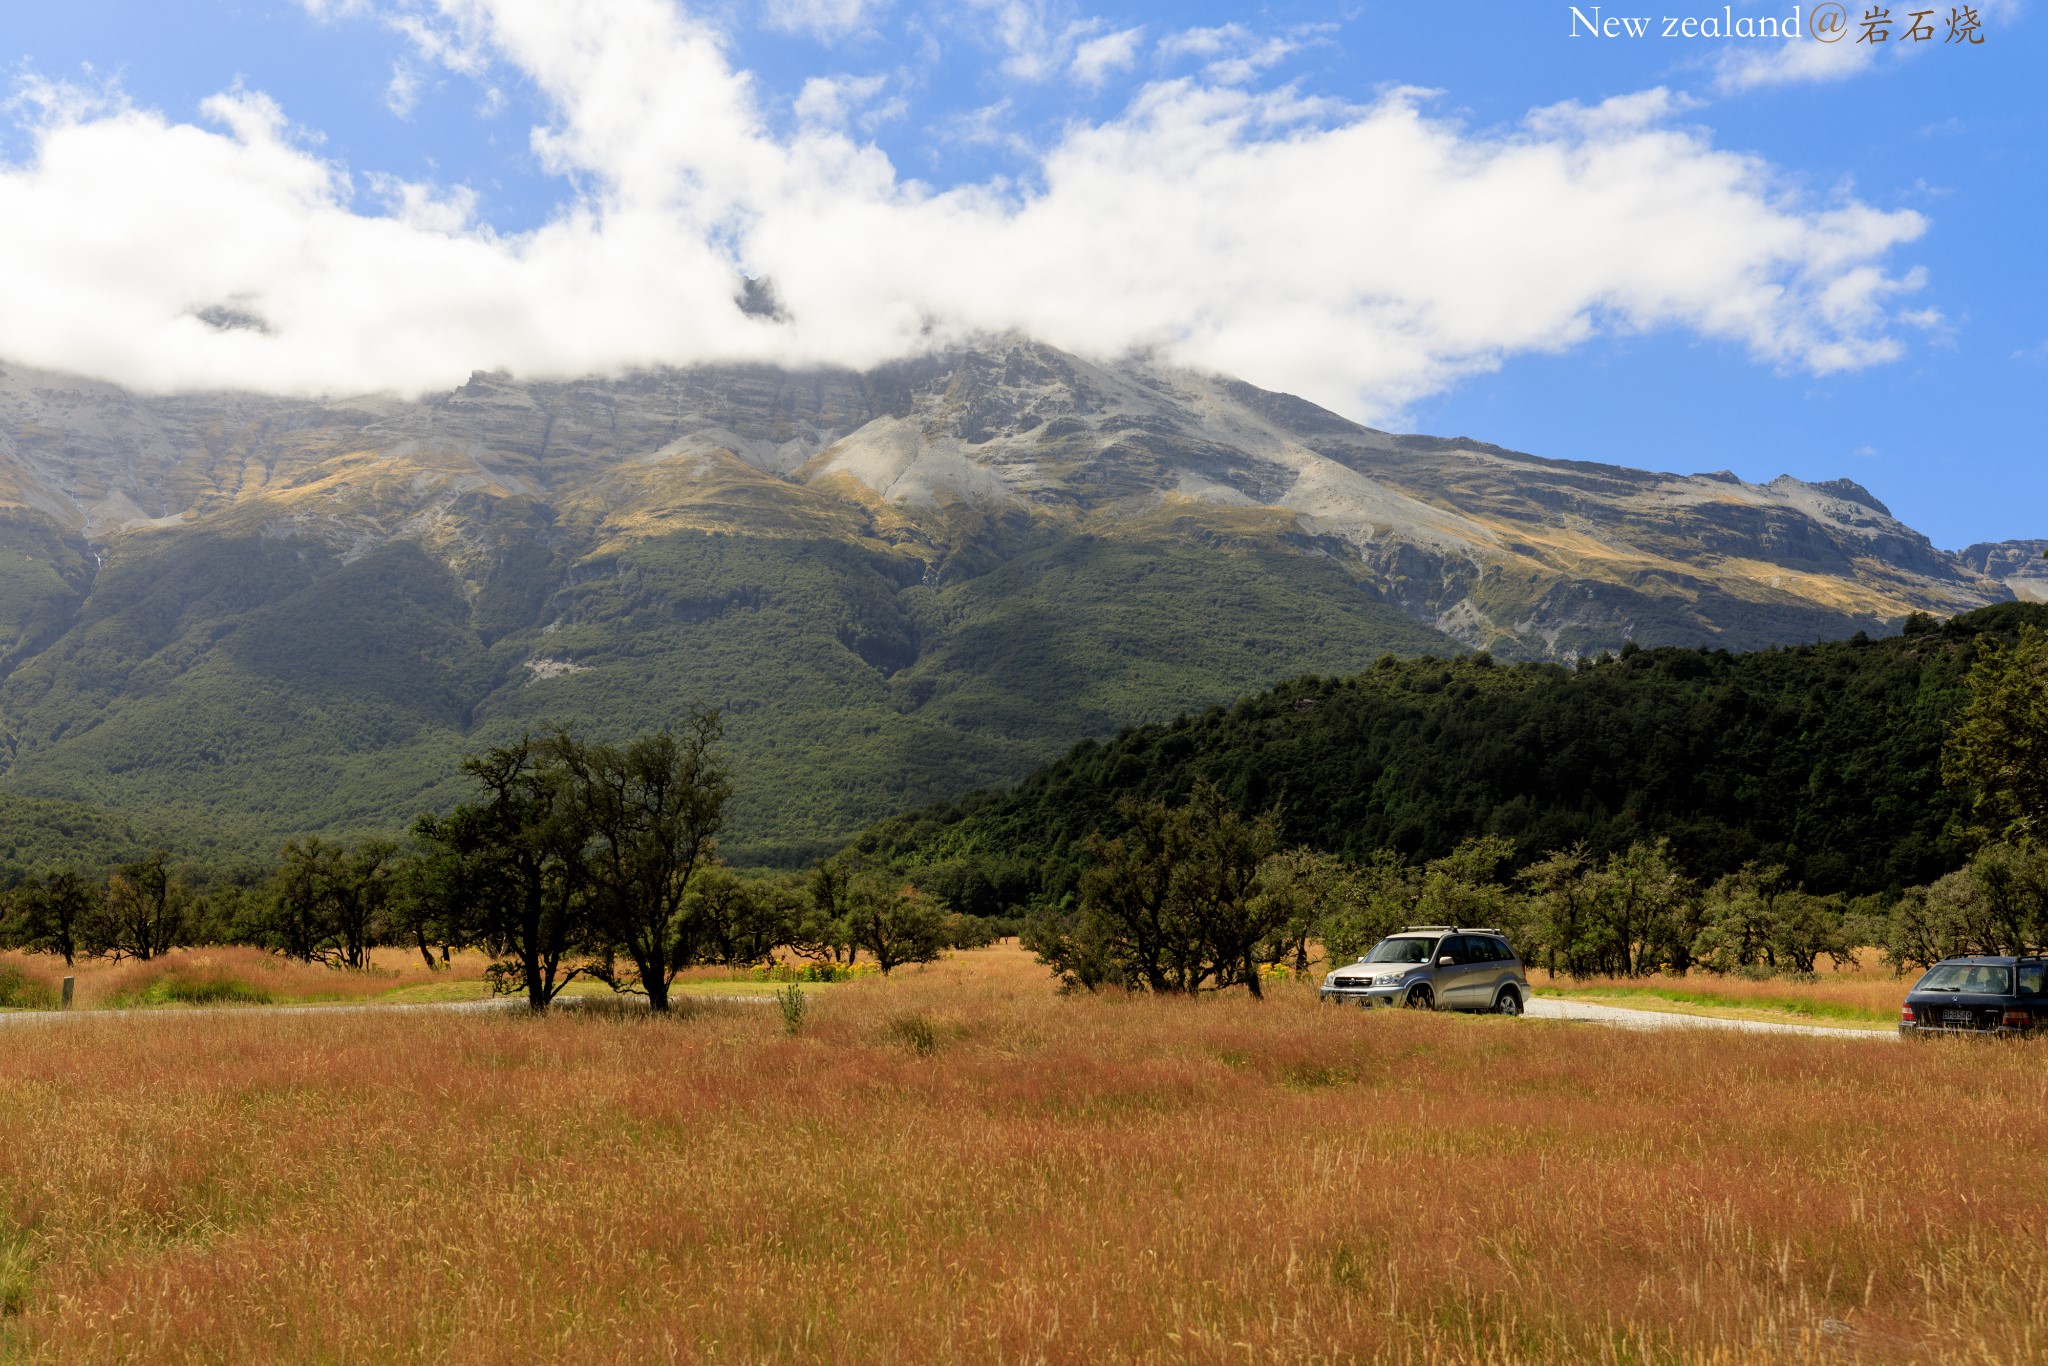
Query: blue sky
1927, 386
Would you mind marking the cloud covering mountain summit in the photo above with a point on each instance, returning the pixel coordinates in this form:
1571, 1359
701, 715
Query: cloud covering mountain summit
1363, 254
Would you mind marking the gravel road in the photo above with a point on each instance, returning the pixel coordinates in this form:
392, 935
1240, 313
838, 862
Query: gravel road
1550, 1008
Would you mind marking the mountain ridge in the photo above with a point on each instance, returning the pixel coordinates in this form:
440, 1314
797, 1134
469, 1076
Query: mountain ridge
909, 580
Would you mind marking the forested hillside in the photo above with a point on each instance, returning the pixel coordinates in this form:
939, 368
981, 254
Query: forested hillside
1824, 758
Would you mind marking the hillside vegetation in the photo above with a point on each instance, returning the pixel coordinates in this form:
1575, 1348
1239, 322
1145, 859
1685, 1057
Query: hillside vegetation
241, 692
1825, 759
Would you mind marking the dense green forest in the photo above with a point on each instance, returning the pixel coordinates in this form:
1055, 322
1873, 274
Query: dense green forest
1656, 812
1825, 759
230, 693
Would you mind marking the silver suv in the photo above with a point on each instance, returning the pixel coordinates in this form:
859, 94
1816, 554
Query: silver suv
1434, 967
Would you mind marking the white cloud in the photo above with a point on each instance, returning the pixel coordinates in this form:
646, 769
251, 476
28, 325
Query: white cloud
1801, 61
1791, 61
1363, 256
830, 102
425, 207
823, 19
1234, 53
1036, 37
1096, 58
402, 94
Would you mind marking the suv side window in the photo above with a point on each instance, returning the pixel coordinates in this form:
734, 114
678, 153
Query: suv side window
1453, 948
2033, 978
1501, 952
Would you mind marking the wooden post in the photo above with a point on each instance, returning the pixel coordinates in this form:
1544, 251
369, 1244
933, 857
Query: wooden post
69, 983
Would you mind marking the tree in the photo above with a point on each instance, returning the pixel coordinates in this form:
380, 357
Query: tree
1751, 919
423, 886
894, 921
650, 810
297, 923
736, 921
48, 914
1998, 903
1563, 889
1306, 891
822, 930
1807, 926
143, 913
329, 903
1996, 758
1464, 887
1645, 911
1737, 920
514, 874
1382, 897
1172, 905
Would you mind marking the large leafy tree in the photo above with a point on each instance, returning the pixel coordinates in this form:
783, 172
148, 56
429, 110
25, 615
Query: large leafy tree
330, 903
738, 921
650, 811
144, 913
49, 914
892, 920
1172, 905
514, 874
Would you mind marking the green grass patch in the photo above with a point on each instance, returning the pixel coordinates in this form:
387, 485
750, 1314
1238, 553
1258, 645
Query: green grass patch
176, 988
19, 991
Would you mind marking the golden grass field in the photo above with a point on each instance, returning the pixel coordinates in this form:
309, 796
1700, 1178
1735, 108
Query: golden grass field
1053, 1178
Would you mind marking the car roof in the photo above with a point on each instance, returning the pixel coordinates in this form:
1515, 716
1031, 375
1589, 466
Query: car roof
1432, 931
1995, 960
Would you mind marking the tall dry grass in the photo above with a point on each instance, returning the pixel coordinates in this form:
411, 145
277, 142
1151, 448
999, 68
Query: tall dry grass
958, 1164
228, 976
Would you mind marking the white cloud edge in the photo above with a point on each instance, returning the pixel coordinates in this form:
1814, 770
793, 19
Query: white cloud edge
1364, 256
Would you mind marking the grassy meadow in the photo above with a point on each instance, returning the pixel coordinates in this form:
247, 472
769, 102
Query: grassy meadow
958, 1163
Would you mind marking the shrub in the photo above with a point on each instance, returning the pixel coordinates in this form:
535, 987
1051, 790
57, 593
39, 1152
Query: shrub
809, 972
791, 1000
915, 1032
185, 986
19, 991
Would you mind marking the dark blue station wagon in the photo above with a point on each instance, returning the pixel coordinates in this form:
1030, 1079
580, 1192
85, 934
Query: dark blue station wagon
1978, 995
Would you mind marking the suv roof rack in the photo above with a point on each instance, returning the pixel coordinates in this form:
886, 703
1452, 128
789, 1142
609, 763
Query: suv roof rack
1449, 929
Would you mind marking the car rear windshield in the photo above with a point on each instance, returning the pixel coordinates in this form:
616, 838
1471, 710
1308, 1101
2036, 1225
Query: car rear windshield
1977, 977
1400, 951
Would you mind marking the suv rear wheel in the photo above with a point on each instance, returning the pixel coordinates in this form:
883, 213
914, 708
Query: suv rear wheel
1509, 1002
1420, 998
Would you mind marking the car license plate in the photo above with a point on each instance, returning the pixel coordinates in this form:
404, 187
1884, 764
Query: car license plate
1965, 1018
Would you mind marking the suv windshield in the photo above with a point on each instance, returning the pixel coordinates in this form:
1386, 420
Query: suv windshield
1978, 977
1400, 951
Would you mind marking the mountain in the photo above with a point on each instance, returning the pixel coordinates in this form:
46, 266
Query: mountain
247, 616
1824, 758
2022, 566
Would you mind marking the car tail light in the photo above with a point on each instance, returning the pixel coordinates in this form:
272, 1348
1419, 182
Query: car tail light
1906, 1015
2016, 1019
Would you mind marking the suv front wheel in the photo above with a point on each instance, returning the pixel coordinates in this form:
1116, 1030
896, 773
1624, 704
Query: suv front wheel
1420, 998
